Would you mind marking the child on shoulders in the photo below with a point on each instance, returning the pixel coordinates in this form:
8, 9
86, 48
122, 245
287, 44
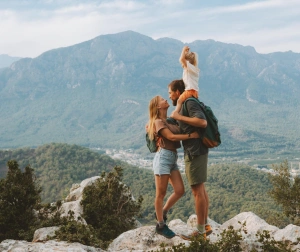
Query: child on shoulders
190, 76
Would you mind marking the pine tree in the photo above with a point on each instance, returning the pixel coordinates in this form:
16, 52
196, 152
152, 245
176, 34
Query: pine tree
286, 191
19, 195
109, 206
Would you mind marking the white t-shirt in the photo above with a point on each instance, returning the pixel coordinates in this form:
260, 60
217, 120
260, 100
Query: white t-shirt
190, 76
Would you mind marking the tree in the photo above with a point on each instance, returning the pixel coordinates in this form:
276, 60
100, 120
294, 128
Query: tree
286, 191
109, 206
19, 195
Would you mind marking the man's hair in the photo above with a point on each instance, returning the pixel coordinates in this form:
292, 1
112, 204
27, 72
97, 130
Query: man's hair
177, 85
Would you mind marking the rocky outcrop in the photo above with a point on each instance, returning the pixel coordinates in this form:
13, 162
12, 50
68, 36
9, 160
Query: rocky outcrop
77, 189
72, 201
41, 234
144, 238
49, 246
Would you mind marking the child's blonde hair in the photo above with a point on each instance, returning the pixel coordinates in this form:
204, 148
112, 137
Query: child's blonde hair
192, 57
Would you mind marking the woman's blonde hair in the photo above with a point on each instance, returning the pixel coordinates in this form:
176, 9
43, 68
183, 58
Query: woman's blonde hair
153, 115
192, 57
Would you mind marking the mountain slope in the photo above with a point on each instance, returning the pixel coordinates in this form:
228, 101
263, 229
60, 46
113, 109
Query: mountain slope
6, 60
96, 93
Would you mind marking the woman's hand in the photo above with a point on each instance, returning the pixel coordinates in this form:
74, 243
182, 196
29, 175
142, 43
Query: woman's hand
194, 135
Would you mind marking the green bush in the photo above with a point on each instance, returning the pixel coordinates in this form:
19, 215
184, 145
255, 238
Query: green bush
109, 206
75, 231
286, 191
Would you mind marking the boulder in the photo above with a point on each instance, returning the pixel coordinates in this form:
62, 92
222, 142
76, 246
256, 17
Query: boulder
146, 239
74, 206
77, 189
289, 233
41, 234
253, 223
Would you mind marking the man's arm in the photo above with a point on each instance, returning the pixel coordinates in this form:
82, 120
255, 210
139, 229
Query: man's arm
194, 121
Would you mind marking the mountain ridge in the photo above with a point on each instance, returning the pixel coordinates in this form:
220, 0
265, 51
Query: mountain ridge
6, 60
79, 94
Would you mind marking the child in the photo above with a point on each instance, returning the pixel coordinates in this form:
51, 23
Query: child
191, 72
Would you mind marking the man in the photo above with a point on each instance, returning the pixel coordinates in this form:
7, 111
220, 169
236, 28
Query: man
195, 156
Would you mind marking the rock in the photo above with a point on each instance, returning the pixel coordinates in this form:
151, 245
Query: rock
77, 189
49, 246
289, 233
253, 223
74, 206
73, 199
192, 223
42, 233
146, 239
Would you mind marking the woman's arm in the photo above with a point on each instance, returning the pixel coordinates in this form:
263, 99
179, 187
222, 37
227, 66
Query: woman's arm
166, 133
194, 121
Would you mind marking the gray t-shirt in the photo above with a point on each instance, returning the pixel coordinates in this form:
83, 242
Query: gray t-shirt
194, 146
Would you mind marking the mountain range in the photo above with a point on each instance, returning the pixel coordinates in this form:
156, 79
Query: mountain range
96, 94
6, 60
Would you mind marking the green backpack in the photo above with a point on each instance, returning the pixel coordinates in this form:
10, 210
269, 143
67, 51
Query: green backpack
152, 144
211, 137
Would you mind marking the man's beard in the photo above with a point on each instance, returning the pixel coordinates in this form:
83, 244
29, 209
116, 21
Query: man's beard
174, 102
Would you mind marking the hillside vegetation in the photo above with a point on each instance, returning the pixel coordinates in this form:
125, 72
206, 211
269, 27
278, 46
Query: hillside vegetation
232, 188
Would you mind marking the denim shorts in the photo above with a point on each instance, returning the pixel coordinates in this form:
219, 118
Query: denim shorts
164, 162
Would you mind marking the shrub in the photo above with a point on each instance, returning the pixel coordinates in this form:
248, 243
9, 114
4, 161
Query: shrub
74, 231
109, 206
19, 196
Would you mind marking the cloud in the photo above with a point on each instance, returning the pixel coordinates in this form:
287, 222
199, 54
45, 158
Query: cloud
270, 25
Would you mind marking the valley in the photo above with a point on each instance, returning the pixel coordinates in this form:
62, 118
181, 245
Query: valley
215, 157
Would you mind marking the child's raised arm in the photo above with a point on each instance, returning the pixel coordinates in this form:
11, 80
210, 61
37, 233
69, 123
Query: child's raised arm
182, 59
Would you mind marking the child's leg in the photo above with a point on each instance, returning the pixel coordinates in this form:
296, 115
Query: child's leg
186, 94
193, 93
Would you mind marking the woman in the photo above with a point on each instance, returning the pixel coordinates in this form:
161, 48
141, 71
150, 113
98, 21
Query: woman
165, 161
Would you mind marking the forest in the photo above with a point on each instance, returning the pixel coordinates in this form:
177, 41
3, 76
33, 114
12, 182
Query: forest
232, 188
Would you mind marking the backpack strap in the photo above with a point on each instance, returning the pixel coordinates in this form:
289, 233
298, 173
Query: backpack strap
184, 109
186, 113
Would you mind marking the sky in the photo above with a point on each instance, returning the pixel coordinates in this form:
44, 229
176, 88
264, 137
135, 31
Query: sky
31, 27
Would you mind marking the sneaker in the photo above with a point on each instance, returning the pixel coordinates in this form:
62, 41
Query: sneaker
208, 229
194, 235
164, 217
165, 231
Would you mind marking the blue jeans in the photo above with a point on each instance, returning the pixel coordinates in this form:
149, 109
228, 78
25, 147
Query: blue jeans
164, 162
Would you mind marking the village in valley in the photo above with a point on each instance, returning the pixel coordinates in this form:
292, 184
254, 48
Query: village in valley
133, 158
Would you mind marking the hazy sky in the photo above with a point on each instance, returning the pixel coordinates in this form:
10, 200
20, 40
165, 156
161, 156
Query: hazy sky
31, 27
